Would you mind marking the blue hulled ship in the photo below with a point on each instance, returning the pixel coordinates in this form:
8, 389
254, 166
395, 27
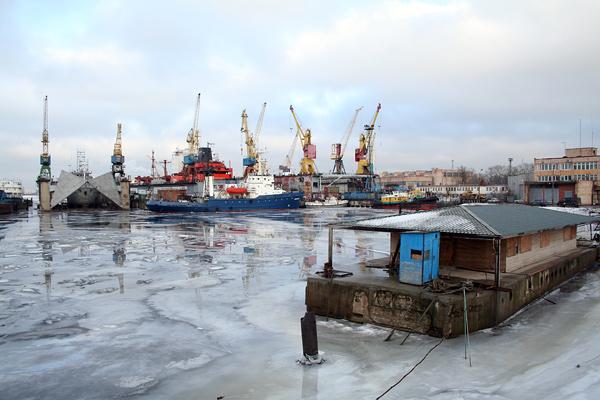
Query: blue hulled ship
257, 193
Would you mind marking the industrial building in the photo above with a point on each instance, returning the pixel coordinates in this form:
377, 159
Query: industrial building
432, 177
574, 175
504, 255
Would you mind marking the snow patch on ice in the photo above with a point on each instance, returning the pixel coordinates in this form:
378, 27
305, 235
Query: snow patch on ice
190, 363
131, 382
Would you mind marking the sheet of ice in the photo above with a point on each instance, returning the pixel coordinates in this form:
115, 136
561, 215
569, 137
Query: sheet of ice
97, 305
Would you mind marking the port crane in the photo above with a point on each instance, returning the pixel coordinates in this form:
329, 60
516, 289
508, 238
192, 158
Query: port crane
117, 158
45, 173
307, 164
252, 155
287, 164
364, 153
193, 138
338, 149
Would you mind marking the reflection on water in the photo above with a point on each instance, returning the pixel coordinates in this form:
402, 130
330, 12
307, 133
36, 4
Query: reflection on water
174, 290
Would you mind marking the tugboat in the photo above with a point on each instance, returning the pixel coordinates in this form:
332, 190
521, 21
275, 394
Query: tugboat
258, 192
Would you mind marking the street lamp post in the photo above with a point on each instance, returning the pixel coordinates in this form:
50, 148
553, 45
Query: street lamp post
543, 186
553, 176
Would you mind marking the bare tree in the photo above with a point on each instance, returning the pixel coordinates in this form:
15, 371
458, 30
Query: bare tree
496, 175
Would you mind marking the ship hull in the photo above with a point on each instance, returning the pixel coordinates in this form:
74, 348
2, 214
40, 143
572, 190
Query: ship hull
289, 200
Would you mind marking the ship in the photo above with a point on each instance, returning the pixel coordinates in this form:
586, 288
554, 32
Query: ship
11, 196
192, 171
328, 202
201, 166
257, 192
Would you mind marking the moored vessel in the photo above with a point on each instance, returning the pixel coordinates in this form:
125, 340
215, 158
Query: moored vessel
258, 192
328, 202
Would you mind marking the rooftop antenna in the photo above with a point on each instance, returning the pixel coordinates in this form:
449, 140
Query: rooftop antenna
592, 126
579, 136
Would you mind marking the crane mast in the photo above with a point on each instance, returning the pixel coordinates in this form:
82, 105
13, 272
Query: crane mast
193, 138
117, 158
364, 153
338, 149
252, 161
45, 173
307, 164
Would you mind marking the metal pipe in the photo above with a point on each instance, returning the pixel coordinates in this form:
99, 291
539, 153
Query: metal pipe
330, 247
466, 327
497, 266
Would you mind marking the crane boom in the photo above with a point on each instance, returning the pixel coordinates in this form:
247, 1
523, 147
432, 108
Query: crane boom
298, 126
193, 137
117, 158
117, 151
251, 139
364, 154
45, 173
349, 131
338, 149
307, 164
290, 156
259, 124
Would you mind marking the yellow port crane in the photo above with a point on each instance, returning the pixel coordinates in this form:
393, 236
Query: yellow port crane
338, 149
307, 164
252, 161
193, 138
364, 154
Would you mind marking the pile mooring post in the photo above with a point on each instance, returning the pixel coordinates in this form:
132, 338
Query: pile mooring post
328, 267
310, 345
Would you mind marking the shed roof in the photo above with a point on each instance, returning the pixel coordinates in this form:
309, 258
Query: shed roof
483, 220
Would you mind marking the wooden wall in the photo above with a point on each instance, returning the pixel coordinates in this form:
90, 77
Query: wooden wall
475, 254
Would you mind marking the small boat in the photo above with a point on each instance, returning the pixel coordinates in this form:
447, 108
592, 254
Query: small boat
257, 193
394, 199
328, 202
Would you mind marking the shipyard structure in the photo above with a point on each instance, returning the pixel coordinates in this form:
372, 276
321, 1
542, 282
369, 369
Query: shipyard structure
79, 188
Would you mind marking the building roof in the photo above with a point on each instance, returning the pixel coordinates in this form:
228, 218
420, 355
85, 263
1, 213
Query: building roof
482, 220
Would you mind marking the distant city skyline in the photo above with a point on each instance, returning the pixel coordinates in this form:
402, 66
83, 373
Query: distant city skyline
473, 82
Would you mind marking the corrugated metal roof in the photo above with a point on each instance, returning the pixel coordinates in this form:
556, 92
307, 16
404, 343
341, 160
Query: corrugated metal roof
515, 219
483, 220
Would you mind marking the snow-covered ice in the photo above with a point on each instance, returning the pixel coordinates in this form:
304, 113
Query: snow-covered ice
97, 305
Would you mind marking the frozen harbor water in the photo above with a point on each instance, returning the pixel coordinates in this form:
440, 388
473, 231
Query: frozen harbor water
97, 305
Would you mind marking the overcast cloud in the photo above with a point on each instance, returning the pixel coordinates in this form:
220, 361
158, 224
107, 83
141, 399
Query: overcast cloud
474, 82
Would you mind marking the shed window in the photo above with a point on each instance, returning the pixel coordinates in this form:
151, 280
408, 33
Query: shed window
416, 254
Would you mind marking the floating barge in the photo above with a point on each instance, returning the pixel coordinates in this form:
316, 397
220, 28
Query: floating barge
505, 256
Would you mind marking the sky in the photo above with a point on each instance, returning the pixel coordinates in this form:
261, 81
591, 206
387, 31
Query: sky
469, 83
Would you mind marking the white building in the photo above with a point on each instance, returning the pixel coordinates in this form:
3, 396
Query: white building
457, 190
12, 187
